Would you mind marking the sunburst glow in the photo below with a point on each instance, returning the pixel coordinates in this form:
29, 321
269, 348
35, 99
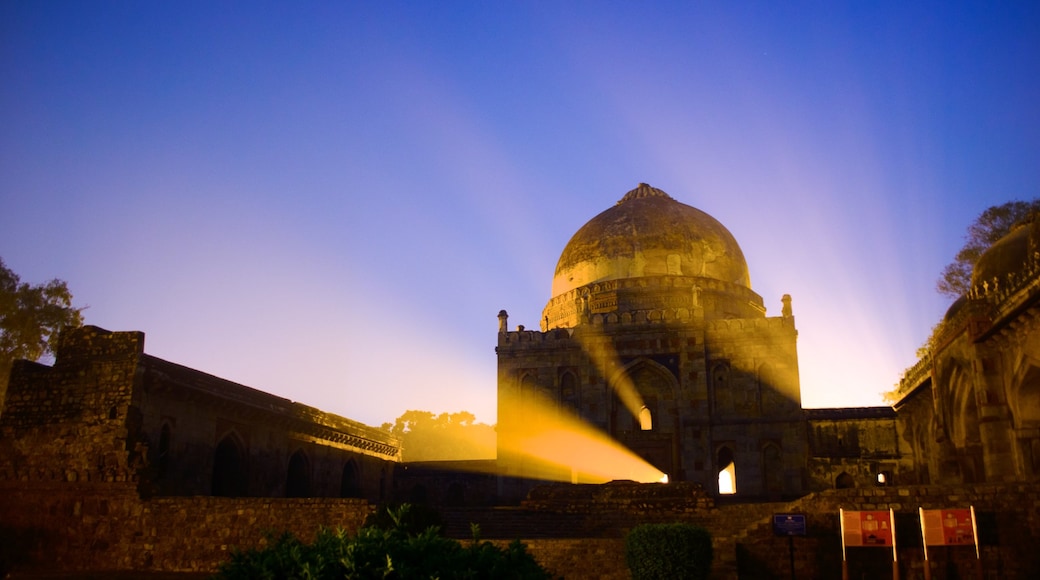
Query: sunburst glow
554, 444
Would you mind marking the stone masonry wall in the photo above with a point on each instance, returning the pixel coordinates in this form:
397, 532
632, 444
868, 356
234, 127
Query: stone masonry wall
105, 526
1008, 517
63, 527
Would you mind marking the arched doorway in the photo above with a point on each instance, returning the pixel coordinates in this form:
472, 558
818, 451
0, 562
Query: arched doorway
773, 469
163, 463
727, 470
350, 483
298, 479
229, 468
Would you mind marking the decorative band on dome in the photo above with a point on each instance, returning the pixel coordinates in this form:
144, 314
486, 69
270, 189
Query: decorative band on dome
643, 190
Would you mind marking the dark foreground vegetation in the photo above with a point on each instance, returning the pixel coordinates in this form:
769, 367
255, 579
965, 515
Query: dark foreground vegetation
668, 551
393, 545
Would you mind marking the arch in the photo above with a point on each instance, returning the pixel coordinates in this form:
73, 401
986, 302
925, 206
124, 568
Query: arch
772, 469
771, 391
569, 390
720, 383
844, 481
350, 481
229, 468
1024, 395
727, 470
162, 463
646, 421
298, 476
643, 383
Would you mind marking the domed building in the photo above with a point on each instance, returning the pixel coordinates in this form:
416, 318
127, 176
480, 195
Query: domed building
972, 404
654, 336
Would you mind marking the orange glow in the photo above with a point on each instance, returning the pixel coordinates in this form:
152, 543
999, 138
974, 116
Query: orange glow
553, 444
602, 354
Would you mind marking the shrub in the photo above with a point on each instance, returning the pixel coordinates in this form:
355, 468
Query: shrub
408, 518
392, 552
668, 551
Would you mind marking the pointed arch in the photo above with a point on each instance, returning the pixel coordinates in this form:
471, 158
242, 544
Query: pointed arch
569, 390
722, 396
644, 384
844, 481
350, 481
772, 469
646, 420
298, 476
725, 464
163, 460
1024, 394
229, 467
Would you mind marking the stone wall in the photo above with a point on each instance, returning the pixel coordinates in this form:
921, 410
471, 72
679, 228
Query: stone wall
65, 526
1008, 516
79, 527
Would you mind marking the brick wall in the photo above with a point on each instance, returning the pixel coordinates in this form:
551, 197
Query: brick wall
108, 527
1008, 516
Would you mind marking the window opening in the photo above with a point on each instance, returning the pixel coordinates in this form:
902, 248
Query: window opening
727, 471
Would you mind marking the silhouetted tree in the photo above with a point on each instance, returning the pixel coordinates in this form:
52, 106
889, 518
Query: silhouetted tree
425, 436
31, 317
990, 226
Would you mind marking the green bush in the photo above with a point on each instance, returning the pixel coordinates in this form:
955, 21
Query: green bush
668, 551
408, 518
391, 552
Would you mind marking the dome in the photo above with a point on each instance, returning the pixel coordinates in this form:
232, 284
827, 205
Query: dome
1009, 254
647, 233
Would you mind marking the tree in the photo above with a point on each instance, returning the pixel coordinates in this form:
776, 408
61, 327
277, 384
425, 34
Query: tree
990, 226
425, 436
31, 318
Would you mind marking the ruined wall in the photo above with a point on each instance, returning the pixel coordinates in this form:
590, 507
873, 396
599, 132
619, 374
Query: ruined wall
83, 441
858, 447
69, 422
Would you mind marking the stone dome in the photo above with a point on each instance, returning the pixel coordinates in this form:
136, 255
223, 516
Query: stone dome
647, 233
1009, 254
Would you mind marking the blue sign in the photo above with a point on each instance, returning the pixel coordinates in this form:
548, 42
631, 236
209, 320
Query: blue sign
789, 524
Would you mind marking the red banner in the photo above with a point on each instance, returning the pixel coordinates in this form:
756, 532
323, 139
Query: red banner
947, 527
870, 529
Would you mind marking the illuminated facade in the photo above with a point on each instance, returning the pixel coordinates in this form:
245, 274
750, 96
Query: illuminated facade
972, 404
654, 336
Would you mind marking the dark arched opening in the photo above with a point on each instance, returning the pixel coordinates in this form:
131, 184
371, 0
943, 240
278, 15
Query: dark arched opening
727, 470
298, 480
229, 469
773, 469
844, 481
350, 484
163, 461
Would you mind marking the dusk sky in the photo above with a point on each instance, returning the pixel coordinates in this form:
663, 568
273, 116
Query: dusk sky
331, 201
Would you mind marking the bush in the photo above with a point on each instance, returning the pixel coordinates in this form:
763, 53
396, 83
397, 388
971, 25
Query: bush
392, 552
668, 551
411, 519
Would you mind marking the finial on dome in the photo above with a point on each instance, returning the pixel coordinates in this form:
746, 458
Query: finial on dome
643, 190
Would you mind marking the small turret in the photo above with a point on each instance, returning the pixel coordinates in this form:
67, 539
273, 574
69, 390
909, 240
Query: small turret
503, 321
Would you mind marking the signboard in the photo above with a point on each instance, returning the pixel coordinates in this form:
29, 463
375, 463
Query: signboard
948, 527
789, 524
867, 529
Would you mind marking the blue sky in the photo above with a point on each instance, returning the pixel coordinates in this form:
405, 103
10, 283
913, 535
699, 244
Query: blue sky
331, 201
